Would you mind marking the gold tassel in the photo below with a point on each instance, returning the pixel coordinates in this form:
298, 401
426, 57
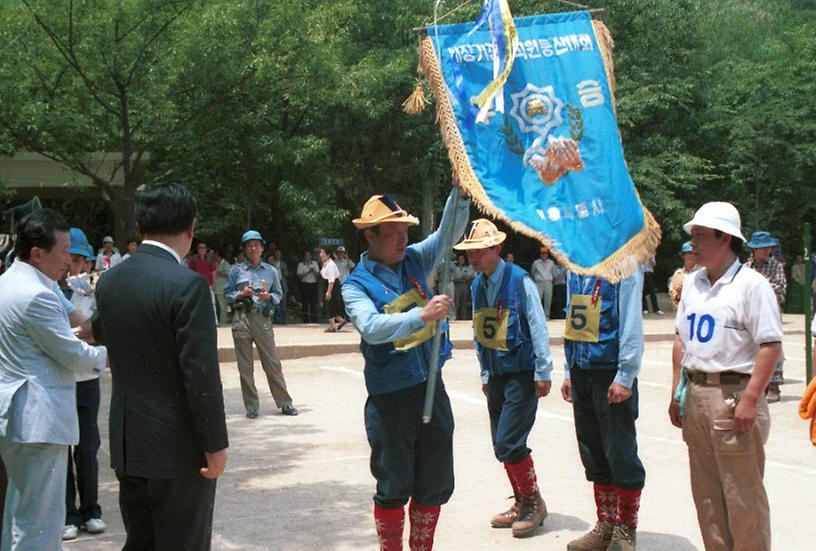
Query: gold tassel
415, 104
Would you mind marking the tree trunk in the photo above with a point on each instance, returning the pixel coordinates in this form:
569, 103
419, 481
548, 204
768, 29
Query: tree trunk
123, 204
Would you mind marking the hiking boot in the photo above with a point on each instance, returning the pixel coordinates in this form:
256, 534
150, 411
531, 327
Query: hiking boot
596, 539
531, 514
773, 395
624, 538
507, 518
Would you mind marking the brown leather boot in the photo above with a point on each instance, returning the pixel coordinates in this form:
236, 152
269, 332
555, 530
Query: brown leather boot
531, 515
597, 539
624, 538
507, 518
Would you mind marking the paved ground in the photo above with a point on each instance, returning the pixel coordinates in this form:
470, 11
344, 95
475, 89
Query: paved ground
303, 483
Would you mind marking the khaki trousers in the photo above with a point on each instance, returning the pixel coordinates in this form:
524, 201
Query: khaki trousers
255, 327
726, 470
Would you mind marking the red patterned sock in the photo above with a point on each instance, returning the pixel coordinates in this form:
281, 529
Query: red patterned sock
524, 474
606, 502
628, 506
423, 525
513, 484
389, 524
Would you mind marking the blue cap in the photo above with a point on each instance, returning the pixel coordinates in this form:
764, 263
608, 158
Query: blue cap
91, 255
686, 248
250, 236
79, 242
761, 240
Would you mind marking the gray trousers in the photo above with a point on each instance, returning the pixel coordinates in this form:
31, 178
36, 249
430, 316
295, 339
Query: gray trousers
545, 292
34, 514
255, 327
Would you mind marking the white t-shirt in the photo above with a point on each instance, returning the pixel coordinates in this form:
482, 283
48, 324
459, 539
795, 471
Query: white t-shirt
722, 326
305, 273
329, 271
543, 270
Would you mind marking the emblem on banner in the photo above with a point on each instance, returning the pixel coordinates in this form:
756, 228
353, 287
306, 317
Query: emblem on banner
538, 110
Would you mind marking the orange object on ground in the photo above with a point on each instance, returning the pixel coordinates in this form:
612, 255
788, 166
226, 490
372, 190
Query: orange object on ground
807, 408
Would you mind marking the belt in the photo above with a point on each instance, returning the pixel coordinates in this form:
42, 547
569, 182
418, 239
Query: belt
716, 379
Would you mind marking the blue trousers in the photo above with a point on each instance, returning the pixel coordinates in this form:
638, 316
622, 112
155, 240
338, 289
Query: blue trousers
410, 459
35, 500
512, 402
607, 440
82, 457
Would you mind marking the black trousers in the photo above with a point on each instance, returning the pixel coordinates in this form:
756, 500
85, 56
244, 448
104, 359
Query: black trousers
82, 457
410, 459
167, 514
650, 291
559, 302
607, 437
308, 302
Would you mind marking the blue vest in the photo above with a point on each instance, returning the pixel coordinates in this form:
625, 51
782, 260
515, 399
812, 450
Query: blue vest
397, 365
513, 352
601, 353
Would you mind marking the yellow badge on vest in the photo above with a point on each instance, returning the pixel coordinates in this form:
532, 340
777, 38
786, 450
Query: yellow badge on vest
490, 327
583, 319
405, 302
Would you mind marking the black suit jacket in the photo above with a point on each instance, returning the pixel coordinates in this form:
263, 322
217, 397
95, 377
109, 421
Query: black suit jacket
167, 406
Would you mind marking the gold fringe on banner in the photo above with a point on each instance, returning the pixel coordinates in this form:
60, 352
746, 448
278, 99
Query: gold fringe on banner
415, 103
622, 262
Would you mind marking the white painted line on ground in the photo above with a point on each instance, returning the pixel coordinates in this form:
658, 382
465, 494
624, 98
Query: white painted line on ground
354, 372
479, 400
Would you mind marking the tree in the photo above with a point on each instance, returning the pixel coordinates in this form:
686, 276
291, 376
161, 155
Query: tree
109, 76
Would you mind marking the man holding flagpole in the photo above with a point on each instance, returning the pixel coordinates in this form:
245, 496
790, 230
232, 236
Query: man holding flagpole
512, 344
389, 301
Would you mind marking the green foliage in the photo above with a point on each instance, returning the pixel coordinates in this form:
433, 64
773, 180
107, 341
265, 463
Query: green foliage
286, 116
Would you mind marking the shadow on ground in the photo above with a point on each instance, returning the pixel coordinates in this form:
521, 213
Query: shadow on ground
652, 541
324, 515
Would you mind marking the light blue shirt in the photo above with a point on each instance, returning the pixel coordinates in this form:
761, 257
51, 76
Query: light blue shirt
377, 328
630, 330
245, 273
534, 313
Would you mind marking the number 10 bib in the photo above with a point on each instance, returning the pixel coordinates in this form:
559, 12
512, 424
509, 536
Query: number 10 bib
702, 331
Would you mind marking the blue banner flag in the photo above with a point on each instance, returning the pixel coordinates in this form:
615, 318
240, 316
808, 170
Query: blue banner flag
548, 159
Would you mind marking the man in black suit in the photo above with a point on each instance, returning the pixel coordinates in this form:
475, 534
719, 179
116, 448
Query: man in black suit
168, 435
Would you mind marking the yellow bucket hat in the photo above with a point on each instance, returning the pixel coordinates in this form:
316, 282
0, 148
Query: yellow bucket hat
380, 209
481, 234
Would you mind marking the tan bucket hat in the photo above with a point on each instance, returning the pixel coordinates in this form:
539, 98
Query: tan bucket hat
481, 234
380, 209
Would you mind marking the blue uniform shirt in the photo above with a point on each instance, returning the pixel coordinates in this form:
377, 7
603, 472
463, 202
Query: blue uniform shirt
534, 313
630, 330
378, 328
244, 274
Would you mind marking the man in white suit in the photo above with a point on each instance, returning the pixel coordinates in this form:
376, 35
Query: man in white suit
39, 355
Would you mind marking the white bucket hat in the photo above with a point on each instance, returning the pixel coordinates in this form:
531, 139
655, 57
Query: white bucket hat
717, 215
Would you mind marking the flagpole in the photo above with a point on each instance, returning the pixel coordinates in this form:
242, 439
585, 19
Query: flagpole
443, 279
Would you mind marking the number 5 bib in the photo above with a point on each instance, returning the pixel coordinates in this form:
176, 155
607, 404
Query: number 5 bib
490, 331
403, 303
583, 319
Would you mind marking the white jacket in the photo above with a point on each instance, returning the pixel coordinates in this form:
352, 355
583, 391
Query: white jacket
39, 356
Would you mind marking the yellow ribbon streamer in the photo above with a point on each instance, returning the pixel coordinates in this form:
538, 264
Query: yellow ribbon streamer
485, 98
